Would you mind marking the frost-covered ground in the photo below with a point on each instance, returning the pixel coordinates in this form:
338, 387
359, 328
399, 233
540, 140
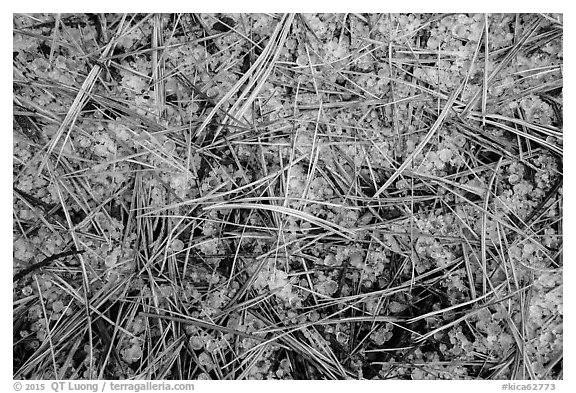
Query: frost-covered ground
226, 196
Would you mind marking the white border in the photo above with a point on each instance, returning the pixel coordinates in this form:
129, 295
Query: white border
308, 6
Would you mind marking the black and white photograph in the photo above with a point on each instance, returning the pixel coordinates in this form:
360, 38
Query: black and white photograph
287, 196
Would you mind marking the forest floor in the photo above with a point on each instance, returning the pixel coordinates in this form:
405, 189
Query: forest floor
266, 196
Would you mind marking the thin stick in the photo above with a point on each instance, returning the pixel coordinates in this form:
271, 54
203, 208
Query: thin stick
45, 262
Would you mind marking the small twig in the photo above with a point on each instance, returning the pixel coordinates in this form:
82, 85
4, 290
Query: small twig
45, 262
